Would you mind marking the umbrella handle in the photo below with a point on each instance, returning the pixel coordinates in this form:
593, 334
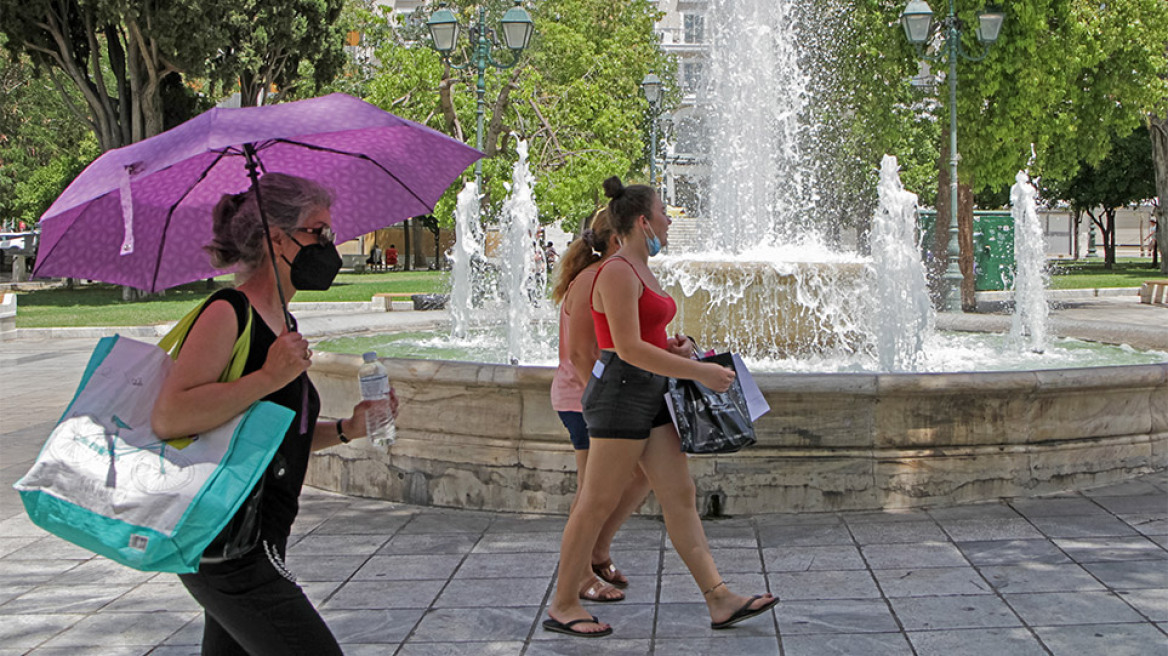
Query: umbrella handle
252, 164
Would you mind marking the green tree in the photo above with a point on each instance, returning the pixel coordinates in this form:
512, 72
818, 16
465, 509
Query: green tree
42, 145
278, 44
1124, 177
575, 97
116, 54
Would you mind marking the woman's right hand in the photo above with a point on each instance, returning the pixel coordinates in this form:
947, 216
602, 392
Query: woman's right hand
716, 377
288, 357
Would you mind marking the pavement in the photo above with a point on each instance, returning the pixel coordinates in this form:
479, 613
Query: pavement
1079, 574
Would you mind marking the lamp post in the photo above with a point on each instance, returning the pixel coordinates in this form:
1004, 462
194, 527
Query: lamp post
651, 85
517, 28
919, 25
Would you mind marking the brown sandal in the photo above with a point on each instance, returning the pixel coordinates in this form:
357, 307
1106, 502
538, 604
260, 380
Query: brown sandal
610, 574
601, 592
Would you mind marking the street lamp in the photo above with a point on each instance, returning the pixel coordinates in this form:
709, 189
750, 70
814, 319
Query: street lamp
651, 85
517, 28
919, 27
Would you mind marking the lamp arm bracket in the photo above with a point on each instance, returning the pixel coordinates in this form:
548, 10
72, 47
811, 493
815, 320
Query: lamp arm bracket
985, 50
458, 67
502, 65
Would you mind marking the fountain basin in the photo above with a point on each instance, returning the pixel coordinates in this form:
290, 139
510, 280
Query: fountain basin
767, 309
484, 436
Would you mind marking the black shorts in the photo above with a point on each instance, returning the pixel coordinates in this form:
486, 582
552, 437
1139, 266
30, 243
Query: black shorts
625, 402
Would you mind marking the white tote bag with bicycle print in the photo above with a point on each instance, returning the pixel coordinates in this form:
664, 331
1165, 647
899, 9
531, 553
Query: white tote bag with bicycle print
105, 482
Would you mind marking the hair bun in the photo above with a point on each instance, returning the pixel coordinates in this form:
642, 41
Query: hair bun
613, 188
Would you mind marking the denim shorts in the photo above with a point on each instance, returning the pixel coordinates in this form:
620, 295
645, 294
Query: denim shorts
624, 402
577, 429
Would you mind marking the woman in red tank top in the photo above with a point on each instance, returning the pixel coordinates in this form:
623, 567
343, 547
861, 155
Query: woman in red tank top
628, 422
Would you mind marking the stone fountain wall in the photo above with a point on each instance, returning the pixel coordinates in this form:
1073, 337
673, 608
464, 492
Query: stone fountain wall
485, 437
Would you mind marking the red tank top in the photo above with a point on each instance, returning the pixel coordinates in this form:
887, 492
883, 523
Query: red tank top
654, 310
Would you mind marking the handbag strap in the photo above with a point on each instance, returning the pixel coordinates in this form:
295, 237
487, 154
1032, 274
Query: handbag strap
172, 342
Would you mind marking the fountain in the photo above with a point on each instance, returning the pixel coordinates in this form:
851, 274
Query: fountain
1030, 307
878, 429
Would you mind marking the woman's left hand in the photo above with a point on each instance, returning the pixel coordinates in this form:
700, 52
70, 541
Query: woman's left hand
681, 345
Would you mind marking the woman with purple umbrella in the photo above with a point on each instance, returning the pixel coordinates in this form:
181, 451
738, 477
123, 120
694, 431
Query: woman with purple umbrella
251, 601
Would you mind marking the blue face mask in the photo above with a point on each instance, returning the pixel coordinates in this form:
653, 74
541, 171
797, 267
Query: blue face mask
653, 243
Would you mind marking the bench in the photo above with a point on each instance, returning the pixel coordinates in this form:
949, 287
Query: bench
1154, 292
387, 301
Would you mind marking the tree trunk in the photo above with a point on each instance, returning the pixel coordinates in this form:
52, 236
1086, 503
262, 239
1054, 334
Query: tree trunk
407, 247
1158, 130
965, 240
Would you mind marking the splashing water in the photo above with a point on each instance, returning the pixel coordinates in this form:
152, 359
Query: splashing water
753, 100
467, 252
1028, 327
523, 276
904, 317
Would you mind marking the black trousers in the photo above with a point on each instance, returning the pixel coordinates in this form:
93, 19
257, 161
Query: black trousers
252, 609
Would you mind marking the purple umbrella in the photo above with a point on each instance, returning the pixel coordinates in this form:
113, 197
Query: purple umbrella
140, 215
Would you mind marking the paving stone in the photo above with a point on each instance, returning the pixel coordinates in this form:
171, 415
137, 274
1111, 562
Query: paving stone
707, 646
103, 650
338, 545
498, 648
1013, 552
508, 524
463, 624
408, 568
970, 530
1131, 574
1063, 608
812, 558
471, 593
581, 647
1134, 487
384, 594
956, 612
1105, 550
121, 629
310, 568
868, 644
836, 616
352, 523
32, 572
49, 547
1152, 603
1038, 577
527, 542
1082, 526
378, 627
693, 621
28, 631
976, 642
681, 588
791, 586
1054, 507
429, 543
1147, 523
506, 565
1109, 639
447, 522
100, 571
895, 516
64, 599
897, 532
628, 539
809, 535
931, 582
728, 560
9, 544
974, 511
638, 562
1151, 503
900, 556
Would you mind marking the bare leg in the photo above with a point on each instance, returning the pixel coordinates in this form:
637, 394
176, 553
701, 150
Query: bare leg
668, 471
587, 579
635, 494
604, 483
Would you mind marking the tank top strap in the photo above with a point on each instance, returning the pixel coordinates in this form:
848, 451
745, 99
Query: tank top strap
614, 257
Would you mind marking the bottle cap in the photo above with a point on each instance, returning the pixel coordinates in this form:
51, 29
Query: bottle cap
370, 356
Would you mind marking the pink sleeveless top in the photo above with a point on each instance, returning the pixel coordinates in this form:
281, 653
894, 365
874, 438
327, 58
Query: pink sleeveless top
566, 388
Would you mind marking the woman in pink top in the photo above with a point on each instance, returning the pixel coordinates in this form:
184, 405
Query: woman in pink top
578, 353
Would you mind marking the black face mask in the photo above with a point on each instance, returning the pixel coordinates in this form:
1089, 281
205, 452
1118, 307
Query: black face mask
315, 267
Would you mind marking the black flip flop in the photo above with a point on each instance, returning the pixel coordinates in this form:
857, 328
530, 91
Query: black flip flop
745, 613
566, 628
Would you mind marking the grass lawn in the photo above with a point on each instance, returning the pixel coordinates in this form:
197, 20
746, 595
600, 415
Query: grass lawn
1083, 274
102, 305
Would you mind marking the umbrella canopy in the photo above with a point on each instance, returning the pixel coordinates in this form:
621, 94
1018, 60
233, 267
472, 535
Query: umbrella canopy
140, 215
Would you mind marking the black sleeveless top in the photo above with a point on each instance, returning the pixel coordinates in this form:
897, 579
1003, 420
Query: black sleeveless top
283, 479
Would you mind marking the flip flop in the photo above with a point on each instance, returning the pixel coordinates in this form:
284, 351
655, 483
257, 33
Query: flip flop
745, 613
594, 592
610, 574
557, 626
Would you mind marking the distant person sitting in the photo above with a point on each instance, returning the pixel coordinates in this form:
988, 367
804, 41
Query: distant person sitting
391, 257
374, 262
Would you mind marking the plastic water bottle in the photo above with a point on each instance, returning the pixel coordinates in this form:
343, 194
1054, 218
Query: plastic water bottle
379, 426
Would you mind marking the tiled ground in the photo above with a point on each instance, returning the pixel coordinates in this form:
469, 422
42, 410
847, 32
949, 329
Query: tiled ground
1076, 575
